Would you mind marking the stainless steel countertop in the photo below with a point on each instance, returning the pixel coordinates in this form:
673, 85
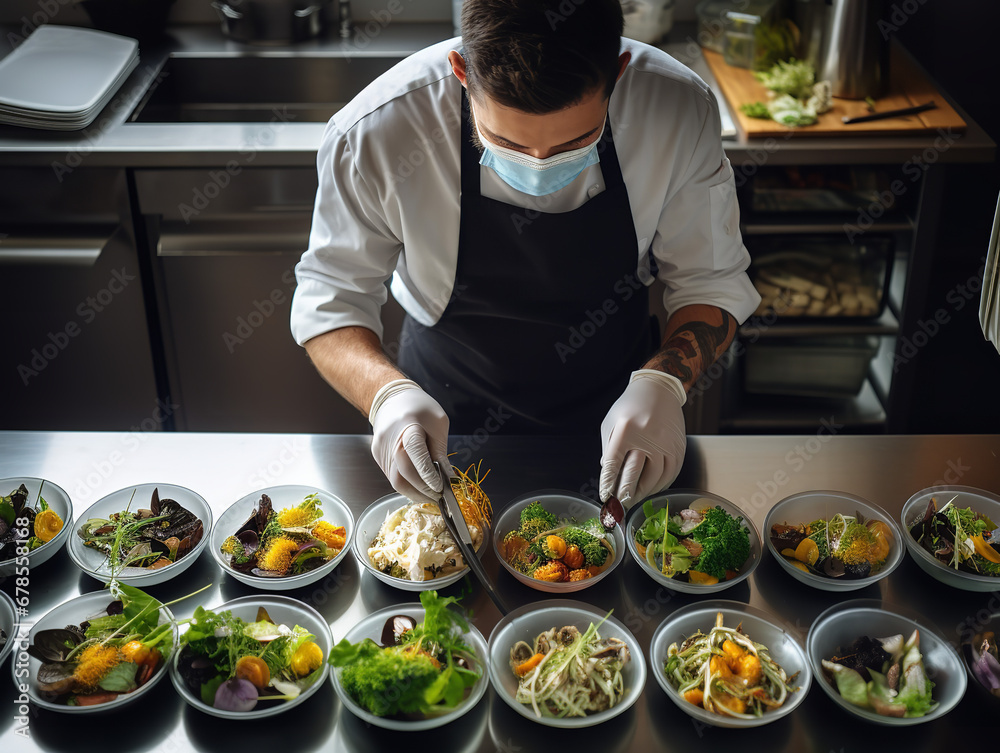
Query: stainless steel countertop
754, 472
112, 142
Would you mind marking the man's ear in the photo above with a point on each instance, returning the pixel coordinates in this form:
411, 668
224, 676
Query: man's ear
623, 61
458, 66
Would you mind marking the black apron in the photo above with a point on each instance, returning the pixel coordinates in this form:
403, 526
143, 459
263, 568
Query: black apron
547, 316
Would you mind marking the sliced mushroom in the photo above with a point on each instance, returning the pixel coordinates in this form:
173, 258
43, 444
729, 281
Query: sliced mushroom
521, 653
567, 635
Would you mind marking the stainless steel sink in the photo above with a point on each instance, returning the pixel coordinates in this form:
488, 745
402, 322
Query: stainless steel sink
256, 88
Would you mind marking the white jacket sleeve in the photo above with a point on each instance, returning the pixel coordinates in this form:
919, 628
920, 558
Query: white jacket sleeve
697, 245
352, 252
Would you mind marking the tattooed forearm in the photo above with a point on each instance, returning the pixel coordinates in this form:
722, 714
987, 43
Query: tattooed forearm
696, 337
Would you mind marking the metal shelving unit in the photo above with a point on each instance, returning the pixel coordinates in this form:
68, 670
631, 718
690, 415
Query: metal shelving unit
740, 411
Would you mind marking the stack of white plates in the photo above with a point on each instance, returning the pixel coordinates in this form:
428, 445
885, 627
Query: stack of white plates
61, 77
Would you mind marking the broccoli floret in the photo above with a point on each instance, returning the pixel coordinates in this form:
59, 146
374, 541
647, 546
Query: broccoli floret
535, 512
725, 543
594, 552
235, 549
534, 528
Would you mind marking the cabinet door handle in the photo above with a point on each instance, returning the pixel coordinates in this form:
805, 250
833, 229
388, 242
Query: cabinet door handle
78, 250
210, 238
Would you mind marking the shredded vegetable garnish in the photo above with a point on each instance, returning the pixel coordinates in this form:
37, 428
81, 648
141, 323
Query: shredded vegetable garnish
471, 498
727, 673
568, 673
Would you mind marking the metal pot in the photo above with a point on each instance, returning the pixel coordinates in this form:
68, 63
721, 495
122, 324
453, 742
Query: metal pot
272, 21
855, 52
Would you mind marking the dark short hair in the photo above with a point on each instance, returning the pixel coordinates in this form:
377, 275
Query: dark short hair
541, 56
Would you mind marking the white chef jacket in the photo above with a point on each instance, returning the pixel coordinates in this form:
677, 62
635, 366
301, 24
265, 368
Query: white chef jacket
389, 198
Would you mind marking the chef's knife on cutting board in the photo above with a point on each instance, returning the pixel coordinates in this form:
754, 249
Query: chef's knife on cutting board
889, 113
451, 511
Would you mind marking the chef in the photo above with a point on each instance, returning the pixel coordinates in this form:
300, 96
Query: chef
521, 187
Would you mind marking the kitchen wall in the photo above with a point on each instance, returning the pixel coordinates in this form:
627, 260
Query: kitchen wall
200, 11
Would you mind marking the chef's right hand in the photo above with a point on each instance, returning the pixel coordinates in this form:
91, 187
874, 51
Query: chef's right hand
410, 434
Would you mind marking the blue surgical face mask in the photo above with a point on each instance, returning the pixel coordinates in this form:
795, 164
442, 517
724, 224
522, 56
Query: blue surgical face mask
534, 176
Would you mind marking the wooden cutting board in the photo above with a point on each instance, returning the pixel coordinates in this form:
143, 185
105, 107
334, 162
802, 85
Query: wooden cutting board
908, 86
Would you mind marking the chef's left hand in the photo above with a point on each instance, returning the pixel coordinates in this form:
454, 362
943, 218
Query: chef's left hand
643, 437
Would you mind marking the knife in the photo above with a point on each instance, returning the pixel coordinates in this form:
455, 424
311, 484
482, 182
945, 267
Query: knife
454, 520
889, 113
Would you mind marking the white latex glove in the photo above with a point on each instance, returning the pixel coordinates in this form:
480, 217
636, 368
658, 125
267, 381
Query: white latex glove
643, 437
410, 433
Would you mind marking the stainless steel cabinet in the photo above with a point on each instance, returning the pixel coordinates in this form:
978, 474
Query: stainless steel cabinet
73, 329
223, 259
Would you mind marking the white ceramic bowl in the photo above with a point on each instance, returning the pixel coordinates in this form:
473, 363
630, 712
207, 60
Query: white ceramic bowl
806, 507
371, 627
283, 611
966, 496
335, 512
840, 625
95, 563
566, 506
58, 500
783, 647
528, 622
9, 623
370, 523
679, 499
73, 612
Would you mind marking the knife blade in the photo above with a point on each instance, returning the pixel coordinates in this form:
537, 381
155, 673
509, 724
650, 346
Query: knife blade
457, 526
889, 113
